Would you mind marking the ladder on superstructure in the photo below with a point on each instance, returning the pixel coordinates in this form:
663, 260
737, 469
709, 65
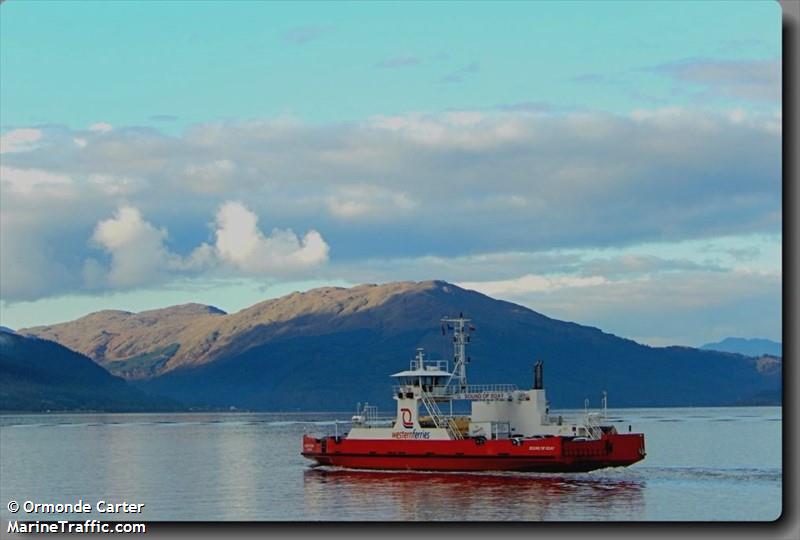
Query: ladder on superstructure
440, 420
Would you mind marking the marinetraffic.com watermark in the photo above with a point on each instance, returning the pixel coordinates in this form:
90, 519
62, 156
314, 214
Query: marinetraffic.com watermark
70, 526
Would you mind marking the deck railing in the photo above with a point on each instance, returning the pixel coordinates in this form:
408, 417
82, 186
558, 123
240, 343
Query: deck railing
470, 391
478, 388
441, 365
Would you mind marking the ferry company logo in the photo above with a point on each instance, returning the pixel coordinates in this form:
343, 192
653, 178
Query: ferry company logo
405, 415
403, 435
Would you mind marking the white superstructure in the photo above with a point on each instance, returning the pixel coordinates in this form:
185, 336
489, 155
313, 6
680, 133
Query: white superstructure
425, 394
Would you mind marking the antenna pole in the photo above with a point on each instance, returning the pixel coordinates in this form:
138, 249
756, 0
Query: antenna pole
460, 339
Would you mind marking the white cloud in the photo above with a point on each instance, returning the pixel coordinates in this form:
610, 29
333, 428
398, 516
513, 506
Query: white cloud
530, 283
688, 307
116, 186
101, 127
363, 200
737, 115
140, 257
28, 265
210, 177
660, 114
136, 247
469, 130
750, 80
28, 181
240, 243
502, 201
19, 140
748, 253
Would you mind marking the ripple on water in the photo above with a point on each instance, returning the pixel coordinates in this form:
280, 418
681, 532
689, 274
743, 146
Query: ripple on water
700, 474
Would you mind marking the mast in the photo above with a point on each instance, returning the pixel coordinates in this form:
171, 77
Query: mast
460, 339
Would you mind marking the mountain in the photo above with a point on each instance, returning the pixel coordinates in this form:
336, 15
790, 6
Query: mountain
143, 345
39, 375
747, 347
328, 348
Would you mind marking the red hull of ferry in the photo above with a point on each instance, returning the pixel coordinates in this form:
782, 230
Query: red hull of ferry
550, 454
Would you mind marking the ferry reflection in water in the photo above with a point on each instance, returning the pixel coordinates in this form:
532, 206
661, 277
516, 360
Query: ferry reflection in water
332, 494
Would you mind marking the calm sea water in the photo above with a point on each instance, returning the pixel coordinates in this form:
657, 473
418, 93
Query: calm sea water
702, 464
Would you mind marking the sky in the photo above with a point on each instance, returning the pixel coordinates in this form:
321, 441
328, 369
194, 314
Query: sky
616, 164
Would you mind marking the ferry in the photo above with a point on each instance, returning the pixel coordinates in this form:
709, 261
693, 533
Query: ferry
509, 429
